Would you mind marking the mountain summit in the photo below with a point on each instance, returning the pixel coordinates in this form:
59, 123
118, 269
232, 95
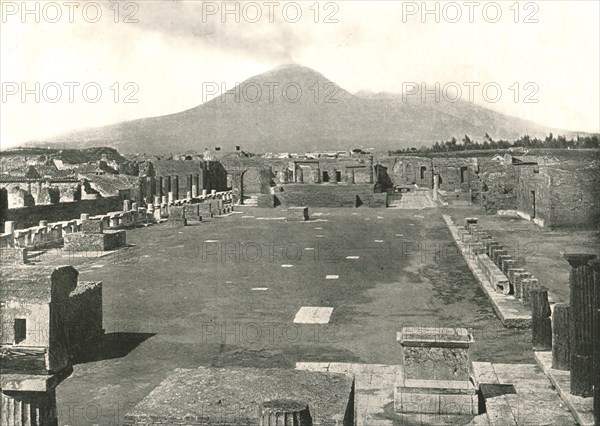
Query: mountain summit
293, 108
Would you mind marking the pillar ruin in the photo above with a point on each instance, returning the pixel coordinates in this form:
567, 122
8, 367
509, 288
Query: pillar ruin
284, 412
561, 351
581, 331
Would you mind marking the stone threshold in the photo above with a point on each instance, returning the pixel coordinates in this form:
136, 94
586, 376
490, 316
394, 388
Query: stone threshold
581, 408
511, 311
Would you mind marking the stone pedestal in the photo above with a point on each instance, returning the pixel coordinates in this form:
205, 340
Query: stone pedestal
84, 216
192, 212
126, 205
436, 372
177, 216
9, 227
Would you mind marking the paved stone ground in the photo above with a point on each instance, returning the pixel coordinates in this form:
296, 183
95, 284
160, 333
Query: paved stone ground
170, 303
535, 401
415, 200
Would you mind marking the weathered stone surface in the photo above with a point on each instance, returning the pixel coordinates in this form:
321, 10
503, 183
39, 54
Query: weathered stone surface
435, 353
110, 240
192, 212
213, 396
10, 255
92, 227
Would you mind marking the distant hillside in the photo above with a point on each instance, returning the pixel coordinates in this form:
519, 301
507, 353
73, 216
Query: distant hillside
329, 118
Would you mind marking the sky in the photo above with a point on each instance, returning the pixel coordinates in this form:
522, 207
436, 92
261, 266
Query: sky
66, 65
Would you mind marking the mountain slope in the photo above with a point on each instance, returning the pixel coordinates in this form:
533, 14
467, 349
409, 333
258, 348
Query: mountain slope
296, 109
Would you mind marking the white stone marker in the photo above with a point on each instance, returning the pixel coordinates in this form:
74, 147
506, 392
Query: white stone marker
313, 315
332, 277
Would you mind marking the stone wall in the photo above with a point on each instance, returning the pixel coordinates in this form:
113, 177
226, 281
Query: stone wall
456, 173
329, 195
563, 197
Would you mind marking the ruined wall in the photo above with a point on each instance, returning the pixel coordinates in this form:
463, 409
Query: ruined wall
528, 181
329, 195
496, 188
575, 197
26, 217
564, 197
456, 174
409, 170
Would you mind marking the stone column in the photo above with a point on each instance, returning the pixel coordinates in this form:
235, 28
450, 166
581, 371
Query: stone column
561, 353
581, 330
9, 227
157, 201
596, 337
436, 185
167, 189
195, 186
284, 412
28, 408
126, 205
175, 187
204, 192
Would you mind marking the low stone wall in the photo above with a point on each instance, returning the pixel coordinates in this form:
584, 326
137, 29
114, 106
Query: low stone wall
330, 195
26, 217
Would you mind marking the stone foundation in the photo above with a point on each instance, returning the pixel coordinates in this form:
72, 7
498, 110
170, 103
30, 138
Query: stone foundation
110, 240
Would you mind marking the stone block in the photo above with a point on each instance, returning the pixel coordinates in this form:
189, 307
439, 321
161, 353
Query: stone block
192, 212
10, 255
177, 216
297, 214
92, 227
80, 242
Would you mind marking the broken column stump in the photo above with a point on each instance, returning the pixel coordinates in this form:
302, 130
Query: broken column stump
284, 412
436, 372
541, 324
581, 331
561, 351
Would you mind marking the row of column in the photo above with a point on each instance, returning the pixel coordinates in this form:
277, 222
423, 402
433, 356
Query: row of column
167, 187
315, 176
572, 330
